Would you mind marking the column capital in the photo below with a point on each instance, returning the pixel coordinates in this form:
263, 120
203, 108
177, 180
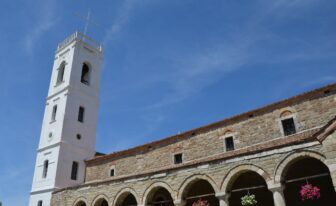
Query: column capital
222, 195
277, 188
223, 198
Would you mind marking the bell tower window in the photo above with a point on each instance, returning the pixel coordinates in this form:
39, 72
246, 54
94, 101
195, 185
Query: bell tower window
60, 75
45, 169
53, 115
81, 114
85, 77
74, 170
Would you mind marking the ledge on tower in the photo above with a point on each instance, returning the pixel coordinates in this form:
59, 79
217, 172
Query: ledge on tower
77, 36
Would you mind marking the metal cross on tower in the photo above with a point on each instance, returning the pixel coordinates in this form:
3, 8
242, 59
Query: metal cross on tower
87, 20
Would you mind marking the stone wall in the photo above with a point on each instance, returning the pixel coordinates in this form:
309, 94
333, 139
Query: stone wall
219, 174
311, 110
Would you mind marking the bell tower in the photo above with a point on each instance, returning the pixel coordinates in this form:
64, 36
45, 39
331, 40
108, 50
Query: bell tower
68, 134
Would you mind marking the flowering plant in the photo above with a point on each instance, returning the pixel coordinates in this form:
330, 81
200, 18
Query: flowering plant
308, 191
201, 202
248, 200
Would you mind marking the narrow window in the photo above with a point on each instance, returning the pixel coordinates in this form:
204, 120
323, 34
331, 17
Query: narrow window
229, 144
112, 172
53, 115
39, 203
85, 74
60, 76
45, 168
74, 170
288, 126
178, 158
81, 114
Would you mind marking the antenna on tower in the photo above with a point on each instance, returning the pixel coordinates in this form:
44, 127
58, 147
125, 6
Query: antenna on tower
87, 21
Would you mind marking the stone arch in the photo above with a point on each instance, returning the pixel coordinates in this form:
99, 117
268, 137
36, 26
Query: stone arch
285, 112
97, 200
194, 178
236, 171
123, 193
305, 167
80, 201
155, 185
289, 159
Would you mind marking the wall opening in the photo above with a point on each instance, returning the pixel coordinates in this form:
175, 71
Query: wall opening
311, 171
80, 203
200, 189
45, 168
74, 170
85, 77
159, 197
127, 199
101, 202
60, 75
249, 182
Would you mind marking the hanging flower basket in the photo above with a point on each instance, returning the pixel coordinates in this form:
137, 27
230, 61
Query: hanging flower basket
248, 200
309, 192
201, 202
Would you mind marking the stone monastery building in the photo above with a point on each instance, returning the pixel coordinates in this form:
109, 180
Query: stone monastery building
269, 152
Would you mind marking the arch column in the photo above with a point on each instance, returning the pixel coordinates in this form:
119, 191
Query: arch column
278, 195
180, 203
223, 199
332, 169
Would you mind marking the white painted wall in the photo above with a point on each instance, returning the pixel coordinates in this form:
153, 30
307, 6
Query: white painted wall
62, 147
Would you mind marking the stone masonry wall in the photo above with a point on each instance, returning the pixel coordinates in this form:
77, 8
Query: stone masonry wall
308, 114
268, 164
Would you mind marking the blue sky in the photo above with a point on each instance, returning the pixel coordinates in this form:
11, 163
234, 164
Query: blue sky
170, 65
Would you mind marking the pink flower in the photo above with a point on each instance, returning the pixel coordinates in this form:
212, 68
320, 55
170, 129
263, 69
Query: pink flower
309, 192
201, 202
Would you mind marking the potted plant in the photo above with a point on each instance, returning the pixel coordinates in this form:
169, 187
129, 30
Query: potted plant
248, 200
309, 192
201, 202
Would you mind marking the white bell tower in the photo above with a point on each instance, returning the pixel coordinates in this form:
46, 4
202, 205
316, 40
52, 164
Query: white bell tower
68, 135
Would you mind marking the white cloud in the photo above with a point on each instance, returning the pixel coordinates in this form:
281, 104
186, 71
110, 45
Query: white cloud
285, 4
47, 19
121, 19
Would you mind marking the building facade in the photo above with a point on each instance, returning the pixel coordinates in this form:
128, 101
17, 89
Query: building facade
269, 152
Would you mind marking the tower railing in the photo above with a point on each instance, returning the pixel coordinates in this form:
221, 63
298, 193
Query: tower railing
81, 37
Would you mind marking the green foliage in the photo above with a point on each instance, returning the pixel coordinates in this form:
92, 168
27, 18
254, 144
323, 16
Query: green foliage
248, 200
